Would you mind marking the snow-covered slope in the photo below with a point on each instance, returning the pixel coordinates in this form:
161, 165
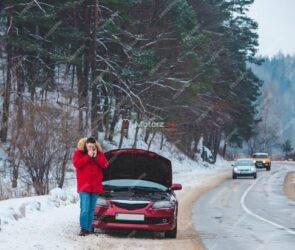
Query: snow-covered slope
180, 162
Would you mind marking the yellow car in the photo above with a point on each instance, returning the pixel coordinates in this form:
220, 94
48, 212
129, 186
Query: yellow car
262, 160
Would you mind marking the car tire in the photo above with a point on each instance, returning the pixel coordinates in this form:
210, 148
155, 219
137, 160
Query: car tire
234, 176
171, 233
268, 168
255, 176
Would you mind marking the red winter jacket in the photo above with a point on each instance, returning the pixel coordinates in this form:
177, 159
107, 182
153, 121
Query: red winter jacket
89, 171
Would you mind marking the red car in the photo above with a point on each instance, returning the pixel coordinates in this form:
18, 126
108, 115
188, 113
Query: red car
138, 193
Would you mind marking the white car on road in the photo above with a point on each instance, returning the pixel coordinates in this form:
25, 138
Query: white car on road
244, 168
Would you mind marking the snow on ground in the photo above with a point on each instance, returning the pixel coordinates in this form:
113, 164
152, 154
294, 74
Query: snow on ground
14, 210
52, 221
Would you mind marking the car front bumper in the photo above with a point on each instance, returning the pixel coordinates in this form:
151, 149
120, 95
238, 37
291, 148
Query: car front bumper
244, 173
130, 225
262, 164
154, 220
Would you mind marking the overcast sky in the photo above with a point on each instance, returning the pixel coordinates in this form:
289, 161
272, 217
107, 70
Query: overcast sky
276, 20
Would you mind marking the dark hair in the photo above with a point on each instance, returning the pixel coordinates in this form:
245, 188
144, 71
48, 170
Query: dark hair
89, 140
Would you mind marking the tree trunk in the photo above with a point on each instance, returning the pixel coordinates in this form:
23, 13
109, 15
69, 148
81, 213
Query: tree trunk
113, 124
50, 73
63, 169
15, 173
121, 136
94, 105
101, 113
147, 135
82, 92
87, 61
19, 97
39, 186
72, 84
135, 137
162, 139
6, 96
136, 131
216, 144
150, 142
107, 117
31, 75
224, 149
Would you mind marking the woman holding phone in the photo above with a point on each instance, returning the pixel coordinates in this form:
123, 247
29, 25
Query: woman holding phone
88, 160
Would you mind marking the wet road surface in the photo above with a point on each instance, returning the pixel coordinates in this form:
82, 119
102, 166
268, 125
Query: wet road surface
248, 214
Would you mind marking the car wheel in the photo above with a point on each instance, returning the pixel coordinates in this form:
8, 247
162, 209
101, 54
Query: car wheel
234, 176
255, 176
171, 233
268, 168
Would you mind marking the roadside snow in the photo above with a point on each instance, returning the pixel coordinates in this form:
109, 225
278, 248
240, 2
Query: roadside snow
15, 210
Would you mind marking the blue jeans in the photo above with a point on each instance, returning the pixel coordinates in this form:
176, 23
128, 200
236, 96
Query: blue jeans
87, 207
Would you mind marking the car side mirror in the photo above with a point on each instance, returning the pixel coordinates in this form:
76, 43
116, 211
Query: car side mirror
176, 186
232, 165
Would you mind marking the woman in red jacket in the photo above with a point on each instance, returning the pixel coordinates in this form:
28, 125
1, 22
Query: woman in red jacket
88, 159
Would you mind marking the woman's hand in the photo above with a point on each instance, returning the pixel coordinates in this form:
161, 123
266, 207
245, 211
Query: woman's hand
91, 149
94, 153
101, 160
90, 153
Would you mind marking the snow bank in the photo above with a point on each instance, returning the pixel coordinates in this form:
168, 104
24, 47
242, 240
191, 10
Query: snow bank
14, 209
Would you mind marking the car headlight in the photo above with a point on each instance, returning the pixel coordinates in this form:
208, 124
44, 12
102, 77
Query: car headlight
235, 169
252, 169
264, 161
102, 202
254, 161
164, 204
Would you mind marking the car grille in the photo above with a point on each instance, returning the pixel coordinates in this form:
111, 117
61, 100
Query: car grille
147, 220
130, 206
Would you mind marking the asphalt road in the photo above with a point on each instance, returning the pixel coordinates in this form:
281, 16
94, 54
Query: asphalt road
248, 214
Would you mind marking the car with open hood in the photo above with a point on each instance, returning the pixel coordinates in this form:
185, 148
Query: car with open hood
262, 160
244, 168
138, 193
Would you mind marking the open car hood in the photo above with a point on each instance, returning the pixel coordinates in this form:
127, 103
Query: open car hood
140, 164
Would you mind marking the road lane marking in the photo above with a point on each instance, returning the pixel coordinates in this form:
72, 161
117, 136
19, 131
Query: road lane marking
248, 211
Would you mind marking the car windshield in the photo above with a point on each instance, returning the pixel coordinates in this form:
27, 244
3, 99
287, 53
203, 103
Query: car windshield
244, 163
121, 184
260, 155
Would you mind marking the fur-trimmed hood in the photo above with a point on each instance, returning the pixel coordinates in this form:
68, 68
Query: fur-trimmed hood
82, 141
